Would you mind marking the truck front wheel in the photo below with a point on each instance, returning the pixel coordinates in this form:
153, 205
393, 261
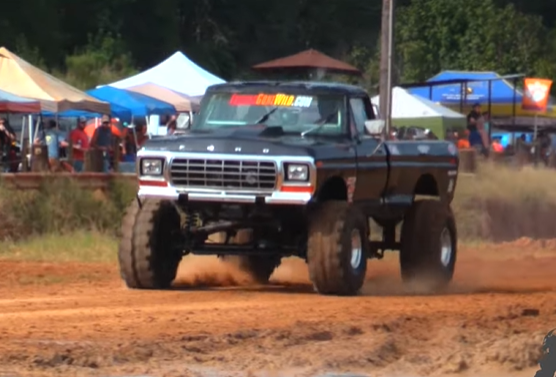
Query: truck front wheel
428, 246
337, 248
147, 254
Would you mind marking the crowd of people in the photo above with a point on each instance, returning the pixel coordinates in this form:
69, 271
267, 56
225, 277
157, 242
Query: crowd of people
476, 136
67, 150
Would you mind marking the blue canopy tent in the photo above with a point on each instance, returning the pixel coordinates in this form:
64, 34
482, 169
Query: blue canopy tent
139, 104
504, 100
501, 90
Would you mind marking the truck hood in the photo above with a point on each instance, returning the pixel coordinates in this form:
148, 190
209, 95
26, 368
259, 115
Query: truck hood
250, 140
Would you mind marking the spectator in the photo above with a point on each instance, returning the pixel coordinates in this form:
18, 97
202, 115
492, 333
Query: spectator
463, 142
52, 139
7, 150
103, 140
172, 126
142, 135
80, 144
473, 123
497, 146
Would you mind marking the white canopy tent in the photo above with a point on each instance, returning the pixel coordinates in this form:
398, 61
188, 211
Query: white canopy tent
177, 73
413, 110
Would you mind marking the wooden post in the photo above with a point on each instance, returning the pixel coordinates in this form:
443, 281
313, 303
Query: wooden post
24, 153
40, 159
93, 161
117, 154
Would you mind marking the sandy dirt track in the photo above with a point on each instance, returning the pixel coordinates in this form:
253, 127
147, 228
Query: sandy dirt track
79, 320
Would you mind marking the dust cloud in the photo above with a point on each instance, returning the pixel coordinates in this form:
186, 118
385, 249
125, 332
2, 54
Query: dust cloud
476, 272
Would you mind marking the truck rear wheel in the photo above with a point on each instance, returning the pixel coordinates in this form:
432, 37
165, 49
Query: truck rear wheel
147, 254
428, 246
337, 249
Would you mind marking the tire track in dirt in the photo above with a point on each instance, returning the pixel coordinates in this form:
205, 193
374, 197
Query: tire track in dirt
492, 320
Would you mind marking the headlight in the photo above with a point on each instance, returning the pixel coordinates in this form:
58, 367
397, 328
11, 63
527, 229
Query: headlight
296, 172
151, 166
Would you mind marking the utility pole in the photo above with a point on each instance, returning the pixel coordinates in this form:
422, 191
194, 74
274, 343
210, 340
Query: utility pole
386, 62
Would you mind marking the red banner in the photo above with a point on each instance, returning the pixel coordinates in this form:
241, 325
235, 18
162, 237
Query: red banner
535, 94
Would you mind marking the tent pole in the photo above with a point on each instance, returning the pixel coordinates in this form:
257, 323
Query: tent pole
134, 134
462, 93
22, 137
489, 111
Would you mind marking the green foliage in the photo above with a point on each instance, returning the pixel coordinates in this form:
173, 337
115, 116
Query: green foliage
102, 61
61, 206
94, 42
525, 208
476, 35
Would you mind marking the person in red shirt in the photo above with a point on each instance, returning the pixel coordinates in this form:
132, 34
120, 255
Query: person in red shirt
80, 144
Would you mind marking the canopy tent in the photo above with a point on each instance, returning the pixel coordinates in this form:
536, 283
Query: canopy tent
181, 102
177, 73
116, 111
411, 110
307, 60
21, 78
138, 104
10, 103
501, 93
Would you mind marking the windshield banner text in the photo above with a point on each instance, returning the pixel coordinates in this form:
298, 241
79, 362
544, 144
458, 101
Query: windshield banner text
279, 99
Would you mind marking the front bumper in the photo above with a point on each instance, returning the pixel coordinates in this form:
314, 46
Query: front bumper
171, 193
284, 193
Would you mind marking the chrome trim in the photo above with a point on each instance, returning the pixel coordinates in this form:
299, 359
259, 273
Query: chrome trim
275, 196
222, 174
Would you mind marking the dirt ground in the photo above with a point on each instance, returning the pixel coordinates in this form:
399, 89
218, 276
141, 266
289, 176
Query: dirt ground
79, 320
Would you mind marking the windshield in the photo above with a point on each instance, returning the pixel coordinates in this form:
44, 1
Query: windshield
294, 113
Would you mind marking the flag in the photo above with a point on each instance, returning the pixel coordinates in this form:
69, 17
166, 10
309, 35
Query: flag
535, 94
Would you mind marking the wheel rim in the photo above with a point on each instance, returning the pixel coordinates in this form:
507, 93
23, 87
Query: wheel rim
446, 247
356, 249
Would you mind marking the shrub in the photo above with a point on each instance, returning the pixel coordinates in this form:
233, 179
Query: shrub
61, 206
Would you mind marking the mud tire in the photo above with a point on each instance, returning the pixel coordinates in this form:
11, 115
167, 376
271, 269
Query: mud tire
421, 263
147, 253
329, 249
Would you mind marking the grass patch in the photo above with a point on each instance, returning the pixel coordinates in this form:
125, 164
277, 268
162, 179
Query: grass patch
60, 206
500, 203
80, 246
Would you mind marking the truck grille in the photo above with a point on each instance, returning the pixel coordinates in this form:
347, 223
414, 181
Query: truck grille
222, 174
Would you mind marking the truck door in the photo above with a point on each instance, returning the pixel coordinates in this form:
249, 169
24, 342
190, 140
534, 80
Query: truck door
372, 162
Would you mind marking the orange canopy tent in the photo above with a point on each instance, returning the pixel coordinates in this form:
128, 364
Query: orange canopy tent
181, 102
309, 59
19, 77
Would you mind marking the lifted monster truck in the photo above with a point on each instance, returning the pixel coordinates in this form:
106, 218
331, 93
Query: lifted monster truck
282, 169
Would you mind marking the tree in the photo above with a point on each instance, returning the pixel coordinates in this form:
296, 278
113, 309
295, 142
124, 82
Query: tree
435, 35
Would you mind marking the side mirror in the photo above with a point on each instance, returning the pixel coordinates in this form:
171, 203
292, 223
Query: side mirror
375, 127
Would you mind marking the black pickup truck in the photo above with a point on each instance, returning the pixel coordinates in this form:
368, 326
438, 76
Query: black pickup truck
275, 169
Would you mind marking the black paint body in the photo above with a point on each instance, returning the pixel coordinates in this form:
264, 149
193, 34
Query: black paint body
388, 173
